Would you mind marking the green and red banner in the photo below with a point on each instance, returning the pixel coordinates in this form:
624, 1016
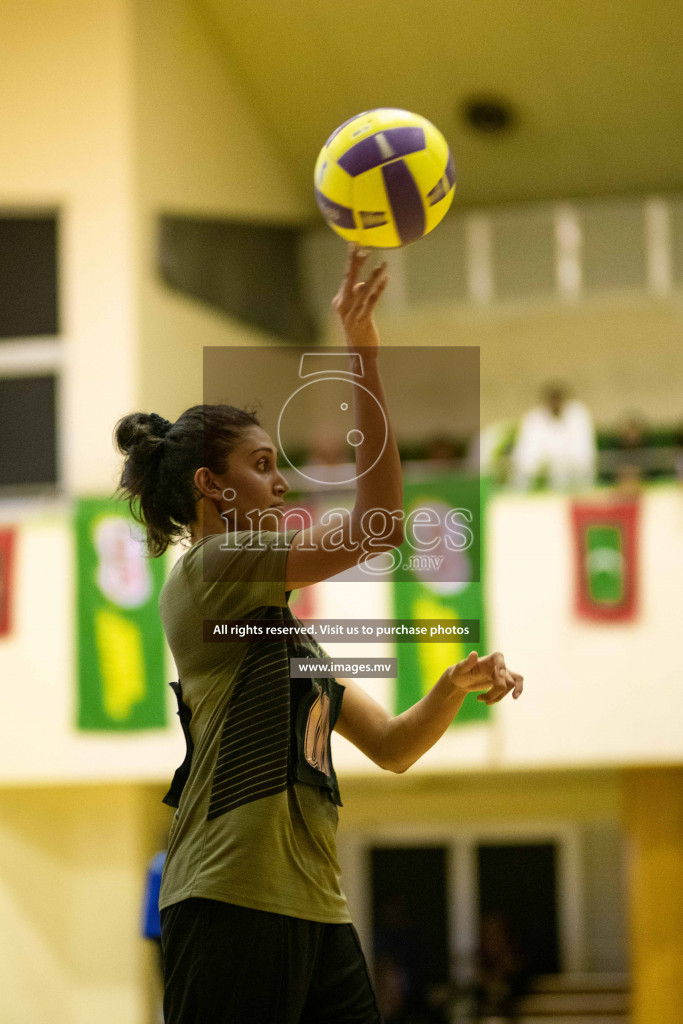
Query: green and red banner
606, 561
7, 538
121, 668
440, 577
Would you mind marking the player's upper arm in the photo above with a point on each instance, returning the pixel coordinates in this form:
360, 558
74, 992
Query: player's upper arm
364, 723
231, 576
322, 551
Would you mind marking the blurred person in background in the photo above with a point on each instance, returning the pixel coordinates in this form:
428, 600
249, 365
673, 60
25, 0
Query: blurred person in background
556, 443
397, 960
444, 450
630, 459
501, 973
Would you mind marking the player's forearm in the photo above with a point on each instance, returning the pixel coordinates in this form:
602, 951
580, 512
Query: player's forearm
379, 483
411, 734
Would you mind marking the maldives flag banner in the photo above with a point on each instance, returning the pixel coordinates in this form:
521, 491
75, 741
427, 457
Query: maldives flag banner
606, 561
439, 577
121, 669
7, 537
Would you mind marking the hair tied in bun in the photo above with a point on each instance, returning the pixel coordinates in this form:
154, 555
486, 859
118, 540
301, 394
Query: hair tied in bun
159, 425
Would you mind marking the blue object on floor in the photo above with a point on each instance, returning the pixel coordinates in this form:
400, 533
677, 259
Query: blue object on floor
151, 922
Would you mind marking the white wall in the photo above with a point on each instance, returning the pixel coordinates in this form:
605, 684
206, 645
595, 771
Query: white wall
38, 735
620, 354
595, 694
199, 150
66, 110
116, 111
620, 350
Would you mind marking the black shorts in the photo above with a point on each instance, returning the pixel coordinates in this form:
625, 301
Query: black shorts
225, 964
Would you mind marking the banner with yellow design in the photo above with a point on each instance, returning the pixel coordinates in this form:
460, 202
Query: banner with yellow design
440, 577
121, 677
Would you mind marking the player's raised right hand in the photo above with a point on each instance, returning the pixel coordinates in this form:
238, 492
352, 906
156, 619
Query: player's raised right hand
356, 300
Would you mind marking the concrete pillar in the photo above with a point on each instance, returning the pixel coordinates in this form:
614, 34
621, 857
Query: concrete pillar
654, 821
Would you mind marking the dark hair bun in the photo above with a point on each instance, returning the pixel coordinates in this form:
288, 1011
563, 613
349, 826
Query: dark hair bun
138, 428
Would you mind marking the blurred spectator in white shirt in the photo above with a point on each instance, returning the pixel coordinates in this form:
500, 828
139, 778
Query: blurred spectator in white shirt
555, 443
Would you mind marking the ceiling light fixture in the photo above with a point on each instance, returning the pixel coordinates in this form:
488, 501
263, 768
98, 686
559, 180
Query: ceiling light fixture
488, 114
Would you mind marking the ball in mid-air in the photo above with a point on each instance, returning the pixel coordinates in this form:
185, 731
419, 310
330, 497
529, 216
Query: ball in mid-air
384, 178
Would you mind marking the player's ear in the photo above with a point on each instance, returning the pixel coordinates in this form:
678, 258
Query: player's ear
207, 485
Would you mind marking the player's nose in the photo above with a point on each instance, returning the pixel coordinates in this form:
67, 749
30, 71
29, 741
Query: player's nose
281, 485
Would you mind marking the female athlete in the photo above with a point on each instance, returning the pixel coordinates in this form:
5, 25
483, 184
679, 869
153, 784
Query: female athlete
255, 926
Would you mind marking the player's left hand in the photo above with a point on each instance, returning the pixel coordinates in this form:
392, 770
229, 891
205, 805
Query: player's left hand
488, 674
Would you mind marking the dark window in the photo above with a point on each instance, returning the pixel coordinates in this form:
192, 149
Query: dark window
410, 916
249, 271
28, 276
518, 886
27, 431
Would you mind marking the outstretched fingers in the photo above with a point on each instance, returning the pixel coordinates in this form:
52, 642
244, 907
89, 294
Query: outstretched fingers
489, 674
511, 683
354, 261
518, 684
369, 294
492, 667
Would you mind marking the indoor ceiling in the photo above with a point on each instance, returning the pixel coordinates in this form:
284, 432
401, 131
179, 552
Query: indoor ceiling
597, 85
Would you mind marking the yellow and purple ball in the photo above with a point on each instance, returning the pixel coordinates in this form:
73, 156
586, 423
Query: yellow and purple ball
384, 178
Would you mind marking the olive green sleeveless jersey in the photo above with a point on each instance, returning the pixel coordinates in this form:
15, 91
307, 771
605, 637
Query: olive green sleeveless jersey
257, 816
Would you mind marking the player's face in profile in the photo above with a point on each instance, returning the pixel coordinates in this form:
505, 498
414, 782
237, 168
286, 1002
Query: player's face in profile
258, 484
